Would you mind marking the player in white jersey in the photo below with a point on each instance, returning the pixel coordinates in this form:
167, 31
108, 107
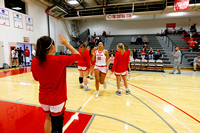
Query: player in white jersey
101, 66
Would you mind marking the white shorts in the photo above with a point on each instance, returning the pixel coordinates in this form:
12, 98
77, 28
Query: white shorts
102, 69
82, 68
121, 74
27, 59
54, 110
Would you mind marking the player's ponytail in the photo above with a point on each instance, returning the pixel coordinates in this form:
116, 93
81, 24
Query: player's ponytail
42, 48
84, 47
121, 46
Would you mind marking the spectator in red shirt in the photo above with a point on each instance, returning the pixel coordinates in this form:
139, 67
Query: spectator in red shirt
83, 66
27, 55
143, 53
50, 71
120, 67
104, 34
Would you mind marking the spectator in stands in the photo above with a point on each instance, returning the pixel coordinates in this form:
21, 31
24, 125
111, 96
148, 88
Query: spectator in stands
193, 28
135, 55
180, 31
97, 40
79, 42
104, 34
177, 61
139, 40
133, 40
185, 34
61, 52
112, 51
145, 47
196, 62
191, 44
157, 54
151, 52
145, 40
92, 44
173, 31
143, 53
88, 39
166, 32
80, 46
95, 35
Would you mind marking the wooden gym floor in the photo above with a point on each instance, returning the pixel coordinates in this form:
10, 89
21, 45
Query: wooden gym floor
158, 103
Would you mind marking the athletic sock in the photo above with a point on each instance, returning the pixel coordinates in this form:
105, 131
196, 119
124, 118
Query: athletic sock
119, 90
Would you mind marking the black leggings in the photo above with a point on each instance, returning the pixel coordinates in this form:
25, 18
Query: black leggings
57, 123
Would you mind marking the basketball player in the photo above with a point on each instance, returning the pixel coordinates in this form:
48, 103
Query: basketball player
83, 66
92, 62
120, 67
101, 66
129, 51
50, 71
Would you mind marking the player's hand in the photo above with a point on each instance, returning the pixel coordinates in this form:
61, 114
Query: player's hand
63, 40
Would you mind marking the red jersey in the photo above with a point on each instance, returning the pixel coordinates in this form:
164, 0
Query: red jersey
84, 60
120, 62
52, 78
129, 52
26, 52
143, 52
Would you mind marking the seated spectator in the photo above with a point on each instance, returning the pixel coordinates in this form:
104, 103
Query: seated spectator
79, 42
131, 57
139, 40
88, 40
143, 53
61, 52
166, 32
145, 47
145, 40
94, 35
196, 62
112, 51
151, 52
133, 40
185, 34
111, 61
104, 34
135, 54
173, 31
157, 54
180, 31
193, 28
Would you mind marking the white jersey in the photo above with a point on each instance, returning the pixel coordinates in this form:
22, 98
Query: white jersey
100, 59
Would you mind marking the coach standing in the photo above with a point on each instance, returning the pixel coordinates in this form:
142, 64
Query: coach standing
177, 61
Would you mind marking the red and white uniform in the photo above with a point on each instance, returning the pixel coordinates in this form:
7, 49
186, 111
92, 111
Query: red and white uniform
84, 61
121, 62
52, 79
101, 62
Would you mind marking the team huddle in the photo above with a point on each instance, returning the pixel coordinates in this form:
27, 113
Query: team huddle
98, 61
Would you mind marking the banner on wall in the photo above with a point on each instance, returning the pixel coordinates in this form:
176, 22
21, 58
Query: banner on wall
4, 17
17, 20
181, 5
170, 25
29, 24
118, 16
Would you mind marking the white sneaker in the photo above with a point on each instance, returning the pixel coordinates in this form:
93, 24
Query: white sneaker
87, 88
127, 78
97, 94
131, 74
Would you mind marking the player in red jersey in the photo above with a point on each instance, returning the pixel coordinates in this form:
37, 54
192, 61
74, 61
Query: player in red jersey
50, 71
84, 66
129, 68
101, 66
120, 67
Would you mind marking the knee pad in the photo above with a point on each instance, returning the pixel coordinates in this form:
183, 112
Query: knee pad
57, 123
80, 80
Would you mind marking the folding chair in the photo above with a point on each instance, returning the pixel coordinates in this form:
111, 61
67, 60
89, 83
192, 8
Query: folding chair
151, 65
144, 64
137, 64
159, 64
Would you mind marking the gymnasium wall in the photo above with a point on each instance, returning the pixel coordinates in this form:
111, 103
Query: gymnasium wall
10, 35
121, 27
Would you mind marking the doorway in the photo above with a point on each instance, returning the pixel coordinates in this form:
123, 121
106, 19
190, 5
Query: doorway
24, 60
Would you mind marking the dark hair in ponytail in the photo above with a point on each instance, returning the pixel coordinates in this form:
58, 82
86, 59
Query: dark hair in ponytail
42, 48
84, 47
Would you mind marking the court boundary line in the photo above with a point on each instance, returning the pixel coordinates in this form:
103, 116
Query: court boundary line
89, 124
82, 113
164, 101
150, 109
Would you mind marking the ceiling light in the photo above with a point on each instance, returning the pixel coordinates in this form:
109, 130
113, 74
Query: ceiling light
176, 14
17, 8
73, 2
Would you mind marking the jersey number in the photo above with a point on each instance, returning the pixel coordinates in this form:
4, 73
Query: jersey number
98, 58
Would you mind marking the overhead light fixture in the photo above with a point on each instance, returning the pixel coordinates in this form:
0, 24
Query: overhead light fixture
176, 14
17, 8
73, 2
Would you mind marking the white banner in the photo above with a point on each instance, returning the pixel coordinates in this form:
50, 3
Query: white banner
17, 19
29, 24
118, 16
4, 17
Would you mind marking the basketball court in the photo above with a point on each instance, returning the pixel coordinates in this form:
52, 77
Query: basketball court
158, 102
